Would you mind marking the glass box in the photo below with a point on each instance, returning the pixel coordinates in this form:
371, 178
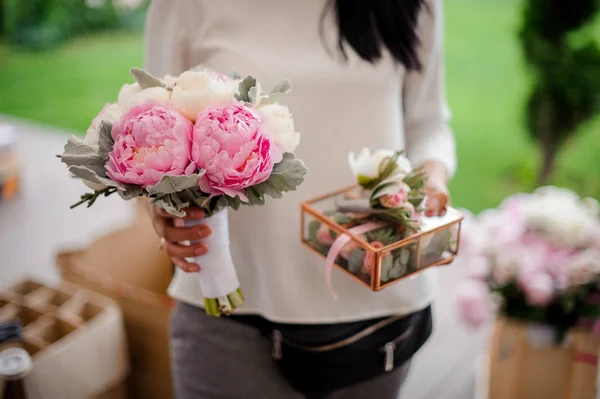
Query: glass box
386, 253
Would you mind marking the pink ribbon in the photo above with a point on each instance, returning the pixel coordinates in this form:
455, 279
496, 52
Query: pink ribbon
337, 246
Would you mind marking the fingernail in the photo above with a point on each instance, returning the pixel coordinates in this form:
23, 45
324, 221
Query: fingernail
193, 269
200, 250
204, 231
179, 223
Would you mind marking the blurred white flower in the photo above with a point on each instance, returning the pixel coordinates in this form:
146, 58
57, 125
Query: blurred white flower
365, 166
561, 217
584, 267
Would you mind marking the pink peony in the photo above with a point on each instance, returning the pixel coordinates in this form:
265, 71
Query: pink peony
395, 200
538, 287
473, 302
324, 236
151, 140
230, 143
369, 259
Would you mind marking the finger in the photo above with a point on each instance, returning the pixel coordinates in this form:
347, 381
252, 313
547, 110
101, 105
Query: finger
186, 266
185, 251
177, 234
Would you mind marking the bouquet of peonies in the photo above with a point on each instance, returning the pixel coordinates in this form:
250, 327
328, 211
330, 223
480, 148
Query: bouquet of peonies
201, 139
382, 212
541, 254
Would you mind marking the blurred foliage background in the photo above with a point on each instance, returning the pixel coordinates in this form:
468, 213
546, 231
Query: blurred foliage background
61, 71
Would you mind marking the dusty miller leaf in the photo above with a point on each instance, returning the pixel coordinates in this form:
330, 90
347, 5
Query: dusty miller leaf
281, 87
130, 192
94, 174
168, 205
78, 152
356, 260
105, 140
245, 85
145, 79
174, 184
287, 175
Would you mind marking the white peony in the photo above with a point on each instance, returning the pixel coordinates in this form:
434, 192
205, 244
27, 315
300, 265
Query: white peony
365, 166
280, 125
131, 95
111, 113
196, 91
170, 81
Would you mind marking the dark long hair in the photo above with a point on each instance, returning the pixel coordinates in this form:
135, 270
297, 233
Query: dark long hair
368, 26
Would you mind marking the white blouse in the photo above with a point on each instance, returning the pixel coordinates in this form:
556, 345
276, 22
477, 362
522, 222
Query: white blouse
338, 107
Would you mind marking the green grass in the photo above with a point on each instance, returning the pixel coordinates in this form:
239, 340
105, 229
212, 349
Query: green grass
67, 87
487, 87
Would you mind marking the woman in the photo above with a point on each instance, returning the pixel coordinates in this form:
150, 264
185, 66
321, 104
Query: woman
366, 73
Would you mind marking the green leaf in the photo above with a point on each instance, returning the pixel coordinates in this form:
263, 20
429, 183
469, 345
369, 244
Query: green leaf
174, 184
77, 152
366, 182
145, 79
313, 228
234, 202
287, 175
355, 260
245, 85
105, 140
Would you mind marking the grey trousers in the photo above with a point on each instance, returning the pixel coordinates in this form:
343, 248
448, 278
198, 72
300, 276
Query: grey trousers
216, 358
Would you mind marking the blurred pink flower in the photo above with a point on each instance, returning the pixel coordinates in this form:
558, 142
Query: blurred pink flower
369, 259
596, 328
479, 267
397, 199
539, 288
500, 228
151, 140
349, 247
473, 302
324, 236
230, 143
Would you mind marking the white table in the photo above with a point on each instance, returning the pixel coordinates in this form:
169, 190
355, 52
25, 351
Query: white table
38, 223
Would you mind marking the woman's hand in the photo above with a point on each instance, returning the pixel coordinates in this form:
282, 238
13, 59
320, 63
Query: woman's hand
436, 188
173, 232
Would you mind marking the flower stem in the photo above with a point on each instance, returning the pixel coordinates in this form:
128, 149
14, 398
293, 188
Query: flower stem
224, 305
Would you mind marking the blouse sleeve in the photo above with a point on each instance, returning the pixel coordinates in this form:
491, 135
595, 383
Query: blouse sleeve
426, 114
167, 33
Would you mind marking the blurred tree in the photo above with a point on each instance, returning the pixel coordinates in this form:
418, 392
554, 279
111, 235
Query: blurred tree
559, 46
41, 24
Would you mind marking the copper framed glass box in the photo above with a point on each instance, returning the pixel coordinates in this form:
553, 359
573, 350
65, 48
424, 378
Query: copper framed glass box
377, 254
